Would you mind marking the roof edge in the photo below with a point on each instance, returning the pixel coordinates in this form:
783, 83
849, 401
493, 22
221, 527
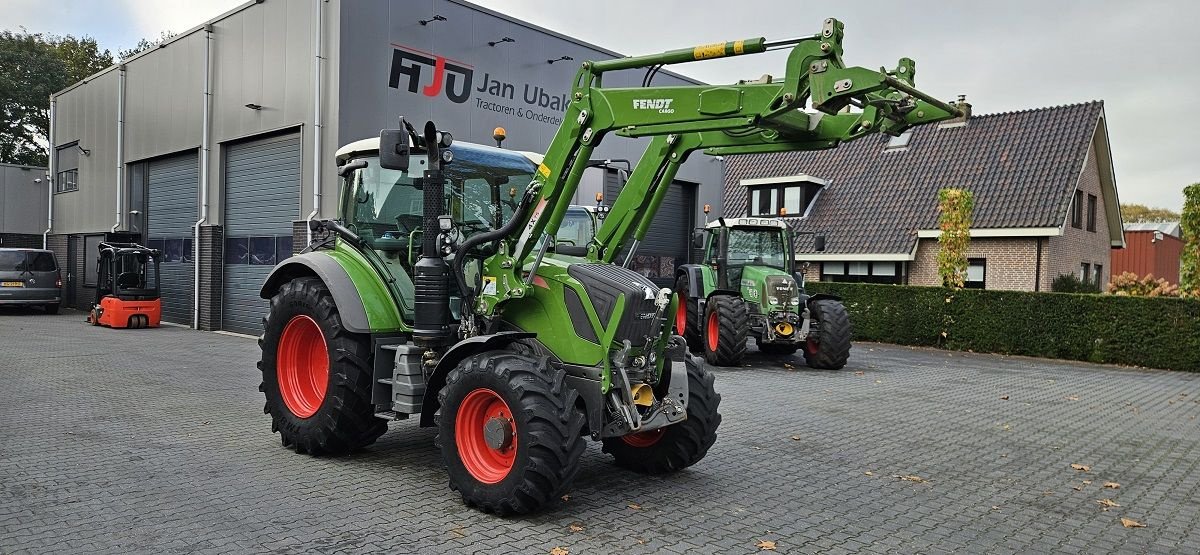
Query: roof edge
984, 232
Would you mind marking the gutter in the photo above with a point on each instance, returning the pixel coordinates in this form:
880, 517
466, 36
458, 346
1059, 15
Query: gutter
50, 179
120, 145
318, 128
205, 148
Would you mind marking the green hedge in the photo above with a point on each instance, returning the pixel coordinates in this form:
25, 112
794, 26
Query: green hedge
1154, 332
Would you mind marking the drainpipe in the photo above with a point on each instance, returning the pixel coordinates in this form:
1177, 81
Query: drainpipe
205, 147
1037, 267
318, 128
50, 179
120, 144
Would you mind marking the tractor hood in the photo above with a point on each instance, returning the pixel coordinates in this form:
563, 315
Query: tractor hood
772, 288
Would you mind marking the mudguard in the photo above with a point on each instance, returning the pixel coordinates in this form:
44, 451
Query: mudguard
820, 296
695, 278
335, 277
456, 354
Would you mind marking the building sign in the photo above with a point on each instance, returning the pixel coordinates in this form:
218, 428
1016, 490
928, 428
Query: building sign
431, 75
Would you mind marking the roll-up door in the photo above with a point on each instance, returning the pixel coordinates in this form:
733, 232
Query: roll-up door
172, 186
262, 199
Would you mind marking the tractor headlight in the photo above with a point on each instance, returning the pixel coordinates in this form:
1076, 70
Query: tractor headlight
773, 300
795, 301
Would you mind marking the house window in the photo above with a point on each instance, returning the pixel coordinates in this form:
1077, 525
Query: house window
1077, 210
976, 273
1085, 272
899, 142
1099, 273
66, 164
1091, 215
783, 199
862, 272
257, 251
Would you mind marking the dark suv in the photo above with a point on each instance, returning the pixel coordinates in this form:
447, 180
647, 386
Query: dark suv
30, 277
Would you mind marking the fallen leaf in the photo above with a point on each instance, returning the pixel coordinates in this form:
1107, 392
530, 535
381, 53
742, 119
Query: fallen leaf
1072, 397
1131, 523
788, 366
995, 507
765, 545
878, 381
859, 373
1106, 503
559, 551
576, 527
1081, 467
911, 478
1004, 398
795, 438
1078, 488
635, 506
869, 473
566, 497
641, 541
1112, 485
1087, 482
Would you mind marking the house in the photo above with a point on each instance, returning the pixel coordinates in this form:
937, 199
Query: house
23, 206
1045, 199
1153, 248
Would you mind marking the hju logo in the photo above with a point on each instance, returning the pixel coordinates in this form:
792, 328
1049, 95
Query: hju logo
452, 76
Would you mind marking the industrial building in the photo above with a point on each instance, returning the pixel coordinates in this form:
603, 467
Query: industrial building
22, 206
217, 145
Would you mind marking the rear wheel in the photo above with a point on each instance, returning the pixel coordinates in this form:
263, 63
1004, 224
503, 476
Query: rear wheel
726, 323
687, 318
677, 446
51, 308
509, 432
828, 347
316, 375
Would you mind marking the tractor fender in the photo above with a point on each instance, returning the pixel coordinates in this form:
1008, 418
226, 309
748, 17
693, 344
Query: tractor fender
456, 354
345, 295
820, 296
695, 278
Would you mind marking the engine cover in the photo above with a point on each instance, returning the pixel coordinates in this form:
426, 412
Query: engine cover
604, 283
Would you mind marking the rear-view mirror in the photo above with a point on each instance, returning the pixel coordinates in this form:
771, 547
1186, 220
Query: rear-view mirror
698, 239
393, 149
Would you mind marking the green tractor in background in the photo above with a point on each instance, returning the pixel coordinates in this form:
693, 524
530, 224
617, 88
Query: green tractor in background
748, 286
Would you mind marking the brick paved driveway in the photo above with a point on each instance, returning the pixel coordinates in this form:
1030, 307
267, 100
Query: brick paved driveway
155, 441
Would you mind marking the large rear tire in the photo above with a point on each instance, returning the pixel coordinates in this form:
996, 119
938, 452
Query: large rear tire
726, 323
829, 347
687, 318
316, 375
509, 432
677, 446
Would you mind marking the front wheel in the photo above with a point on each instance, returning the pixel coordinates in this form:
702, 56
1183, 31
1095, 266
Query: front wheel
677, 446
828, 347
509, 432
316, 375
726, 324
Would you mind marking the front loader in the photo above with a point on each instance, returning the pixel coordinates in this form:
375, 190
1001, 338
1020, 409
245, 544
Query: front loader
437, 294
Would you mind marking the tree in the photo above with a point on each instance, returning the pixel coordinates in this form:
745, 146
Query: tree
955, 206
1136, 213
1189, 226
145, 44
32, 67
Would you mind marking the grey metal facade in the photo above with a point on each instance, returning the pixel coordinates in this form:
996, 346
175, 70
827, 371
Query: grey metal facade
324, 70
261, 201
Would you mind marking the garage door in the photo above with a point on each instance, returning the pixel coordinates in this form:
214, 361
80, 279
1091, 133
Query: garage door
262, 198
171, 207
666, 243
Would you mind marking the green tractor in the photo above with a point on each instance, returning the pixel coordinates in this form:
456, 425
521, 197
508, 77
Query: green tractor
749, 286
448, 288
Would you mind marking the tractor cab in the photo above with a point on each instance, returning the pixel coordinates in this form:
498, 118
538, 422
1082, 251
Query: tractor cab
127, 287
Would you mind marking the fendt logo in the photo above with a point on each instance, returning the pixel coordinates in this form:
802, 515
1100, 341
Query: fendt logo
663, 105
452, 76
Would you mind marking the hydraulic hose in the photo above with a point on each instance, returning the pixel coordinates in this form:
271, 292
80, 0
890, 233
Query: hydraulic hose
507, 229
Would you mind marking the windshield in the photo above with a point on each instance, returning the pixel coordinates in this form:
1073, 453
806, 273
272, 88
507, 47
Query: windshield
483, 185
758, 247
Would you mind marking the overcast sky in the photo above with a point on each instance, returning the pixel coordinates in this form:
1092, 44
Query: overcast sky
1139, 57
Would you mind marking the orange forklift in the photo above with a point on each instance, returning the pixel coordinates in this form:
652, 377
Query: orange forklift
127, 291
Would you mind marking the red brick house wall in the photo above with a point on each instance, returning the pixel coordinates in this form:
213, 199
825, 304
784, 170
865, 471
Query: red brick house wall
1078, 245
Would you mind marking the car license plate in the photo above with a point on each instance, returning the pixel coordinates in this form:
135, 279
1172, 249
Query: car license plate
12, 284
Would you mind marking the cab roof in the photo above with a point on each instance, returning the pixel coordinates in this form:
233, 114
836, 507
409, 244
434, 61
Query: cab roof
748, 222
371, 146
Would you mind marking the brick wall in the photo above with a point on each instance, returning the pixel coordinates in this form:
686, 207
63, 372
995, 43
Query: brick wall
212, 266
1077, 246
21, 241
1010, 263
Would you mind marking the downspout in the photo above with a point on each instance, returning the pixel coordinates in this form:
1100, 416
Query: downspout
50, 179
1037, 267
120, 144
205, 147
318, 128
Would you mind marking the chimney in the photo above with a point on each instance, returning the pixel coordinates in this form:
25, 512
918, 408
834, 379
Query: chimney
959, 121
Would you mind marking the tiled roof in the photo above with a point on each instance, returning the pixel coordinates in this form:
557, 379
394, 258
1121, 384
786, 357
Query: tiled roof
1022, 166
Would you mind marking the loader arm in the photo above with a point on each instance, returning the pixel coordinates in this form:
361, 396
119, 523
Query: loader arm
814, 75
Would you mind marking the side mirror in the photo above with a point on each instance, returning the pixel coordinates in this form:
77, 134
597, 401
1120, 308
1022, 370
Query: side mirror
393, 149
819, 242
698, 239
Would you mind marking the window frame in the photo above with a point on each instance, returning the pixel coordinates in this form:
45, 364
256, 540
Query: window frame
776, 194
1077, 210
972, 284
1091, 213
63, 177
1085, 271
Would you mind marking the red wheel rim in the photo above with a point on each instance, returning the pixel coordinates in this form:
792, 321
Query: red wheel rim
644, 439
681, 316
811, 346
714, 332
302, 365
487, 461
